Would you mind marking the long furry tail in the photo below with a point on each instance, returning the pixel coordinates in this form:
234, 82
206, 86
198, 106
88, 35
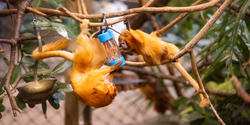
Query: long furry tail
53, 50
204, 101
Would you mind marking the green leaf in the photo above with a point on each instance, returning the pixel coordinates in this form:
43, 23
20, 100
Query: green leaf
187, 110
210, 121
56, 3
37, 3
61, 67
2, 108
226, 87
31, 105
28, 61
197, 108
0, 115
63, 30
178, 102
54, 103
247, 23
44, 107
39, 72
29, 46
62, 86
198, 121
20, 103
43, 65
6, 61
2, 83
15, 74
1, 100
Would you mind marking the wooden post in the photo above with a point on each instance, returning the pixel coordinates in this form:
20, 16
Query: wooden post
71, 101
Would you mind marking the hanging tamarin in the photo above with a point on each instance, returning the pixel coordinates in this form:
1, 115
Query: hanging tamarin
155, 51
91, 83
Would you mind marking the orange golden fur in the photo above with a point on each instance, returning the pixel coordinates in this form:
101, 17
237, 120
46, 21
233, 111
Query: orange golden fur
91, 83
155, 51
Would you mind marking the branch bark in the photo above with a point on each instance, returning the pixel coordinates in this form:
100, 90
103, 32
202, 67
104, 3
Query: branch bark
189, 46
176, 20
240, 91
53, 12
157, 75
21, 8
202, 88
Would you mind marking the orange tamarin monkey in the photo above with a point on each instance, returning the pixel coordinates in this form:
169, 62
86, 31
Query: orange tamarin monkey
155, 51
91, 83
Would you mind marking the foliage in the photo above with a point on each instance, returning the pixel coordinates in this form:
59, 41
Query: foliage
227, 46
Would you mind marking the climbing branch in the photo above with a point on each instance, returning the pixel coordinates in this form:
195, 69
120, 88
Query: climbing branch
157, 75
240, 91
54, 12
176, 20
21, 8
190, 45
202, 89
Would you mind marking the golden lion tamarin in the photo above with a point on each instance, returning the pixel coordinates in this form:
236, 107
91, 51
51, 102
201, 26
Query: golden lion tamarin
91, 83
154, 51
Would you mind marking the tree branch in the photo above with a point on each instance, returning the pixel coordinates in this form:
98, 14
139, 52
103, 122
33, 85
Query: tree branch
176, 20
53, 12
240, 91
21, 8
157, 75
189, 46
202, 88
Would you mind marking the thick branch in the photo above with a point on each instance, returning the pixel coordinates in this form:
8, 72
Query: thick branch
188, 47
203, 31
240, 91
53, 12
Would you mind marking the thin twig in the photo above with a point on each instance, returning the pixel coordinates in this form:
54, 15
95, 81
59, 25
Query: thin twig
240, 91
63, 9
9, 41
197, 75
157, 75
20, 40
21, 8
202, 88
176, 20
150, 17
36, 11
176, 85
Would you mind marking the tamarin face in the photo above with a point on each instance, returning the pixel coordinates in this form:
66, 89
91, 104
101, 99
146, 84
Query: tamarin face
126, 41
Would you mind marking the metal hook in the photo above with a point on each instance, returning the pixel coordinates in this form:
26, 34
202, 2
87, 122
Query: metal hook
107, 27
127, 24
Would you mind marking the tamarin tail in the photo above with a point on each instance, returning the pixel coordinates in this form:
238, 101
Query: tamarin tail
53, 50
204, 101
